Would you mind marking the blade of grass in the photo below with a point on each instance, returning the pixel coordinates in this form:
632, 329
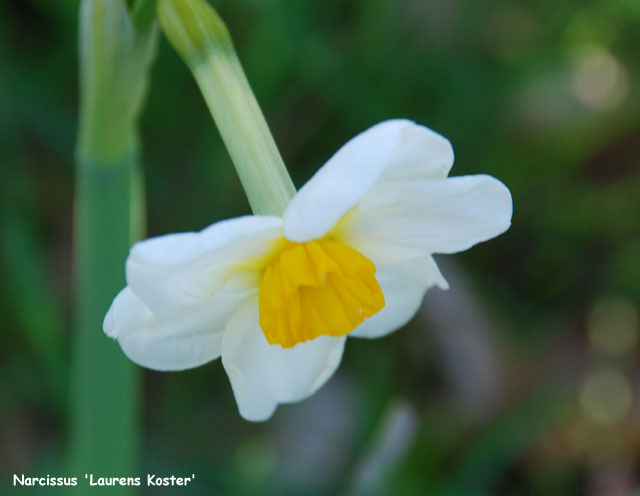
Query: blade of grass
41, 320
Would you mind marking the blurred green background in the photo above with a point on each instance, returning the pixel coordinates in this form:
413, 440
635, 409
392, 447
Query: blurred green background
523, 379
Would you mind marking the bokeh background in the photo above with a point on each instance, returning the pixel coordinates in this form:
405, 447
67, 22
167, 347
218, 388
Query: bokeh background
523, 379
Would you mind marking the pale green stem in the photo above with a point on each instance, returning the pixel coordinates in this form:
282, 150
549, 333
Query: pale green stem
199, 35
115, 53
106, 391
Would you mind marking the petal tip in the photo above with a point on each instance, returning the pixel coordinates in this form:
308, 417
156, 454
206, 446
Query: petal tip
342, 181
110, 322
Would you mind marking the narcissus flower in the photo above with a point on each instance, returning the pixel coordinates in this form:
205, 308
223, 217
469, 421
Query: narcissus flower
277, 297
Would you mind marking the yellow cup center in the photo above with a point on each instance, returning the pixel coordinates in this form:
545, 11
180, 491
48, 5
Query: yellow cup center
321, 287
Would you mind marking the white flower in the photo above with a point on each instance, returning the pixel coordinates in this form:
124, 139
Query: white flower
351, 256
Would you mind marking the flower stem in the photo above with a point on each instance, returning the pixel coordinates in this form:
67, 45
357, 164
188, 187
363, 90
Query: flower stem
106, 385
115, 55
200, 36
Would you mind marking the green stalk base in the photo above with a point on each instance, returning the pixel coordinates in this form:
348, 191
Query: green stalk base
106, 388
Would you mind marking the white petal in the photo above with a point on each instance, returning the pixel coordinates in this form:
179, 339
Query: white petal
403, 285
264, 375
342, 181
395, 150
421, 154
179, 341
178, 271
433, 216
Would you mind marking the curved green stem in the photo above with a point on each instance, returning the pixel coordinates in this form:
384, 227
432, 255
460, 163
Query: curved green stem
200, 36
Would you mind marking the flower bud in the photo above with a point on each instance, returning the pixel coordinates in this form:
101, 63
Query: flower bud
115, 56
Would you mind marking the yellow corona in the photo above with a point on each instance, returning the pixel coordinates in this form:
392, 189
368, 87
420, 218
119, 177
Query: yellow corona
321, 287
